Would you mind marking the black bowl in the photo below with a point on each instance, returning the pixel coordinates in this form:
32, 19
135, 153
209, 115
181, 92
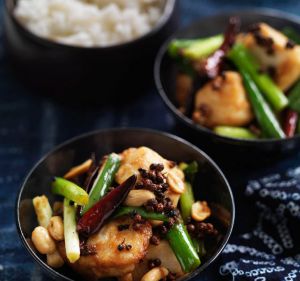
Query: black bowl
214, 186
165, 70
97, 72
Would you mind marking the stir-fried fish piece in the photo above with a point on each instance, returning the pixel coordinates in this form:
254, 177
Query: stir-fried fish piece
109, 260
274, 51
143, 157
135, 158
223, 101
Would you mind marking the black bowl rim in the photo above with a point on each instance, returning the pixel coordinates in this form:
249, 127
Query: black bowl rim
165, 17
52, 271
187, 121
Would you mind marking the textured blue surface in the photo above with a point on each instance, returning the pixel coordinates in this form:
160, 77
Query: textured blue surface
31, 125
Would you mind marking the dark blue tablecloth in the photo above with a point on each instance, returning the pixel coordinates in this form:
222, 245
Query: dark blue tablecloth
31, 125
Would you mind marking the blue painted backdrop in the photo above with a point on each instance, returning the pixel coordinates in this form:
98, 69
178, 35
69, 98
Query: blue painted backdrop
31, 125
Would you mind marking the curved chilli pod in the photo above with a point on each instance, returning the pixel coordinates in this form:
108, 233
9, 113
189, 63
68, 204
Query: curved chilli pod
290, 123
211, 66
94, 218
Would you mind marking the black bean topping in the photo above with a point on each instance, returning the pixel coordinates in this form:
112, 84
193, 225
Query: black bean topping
157, 167
164, 229
191, 228
122, 227
154, 240
159, 178
203, 229
160, 207
143, 173
137, 218
265, 42
154, 263
290, 44
149, 208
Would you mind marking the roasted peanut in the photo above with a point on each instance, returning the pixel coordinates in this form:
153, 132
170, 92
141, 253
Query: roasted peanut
56, 228
42, 240
55, 260
155, 274
138, 197
175, 181
42, 209
79, 170
200, 211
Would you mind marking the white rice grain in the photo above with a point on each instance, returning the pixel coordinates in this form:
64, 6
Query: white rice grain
89, 22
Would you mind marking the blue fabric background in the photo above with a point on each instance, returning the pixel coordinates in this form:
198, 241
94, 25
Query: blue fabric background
31, 125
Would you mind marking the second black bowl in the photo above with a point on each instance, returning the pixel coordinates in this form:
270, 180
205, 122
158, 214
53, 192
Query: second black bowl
213, 186
218, 146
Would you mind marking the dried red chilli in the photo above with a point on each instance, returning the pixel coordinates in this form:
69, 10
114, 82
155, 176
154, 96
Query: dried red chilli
290, 123
94, 218
212, 66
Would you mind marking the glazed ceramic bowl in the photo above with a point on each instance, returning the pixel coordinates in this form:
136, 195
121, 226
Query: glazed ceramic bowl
165, 73
214, 186
85, 73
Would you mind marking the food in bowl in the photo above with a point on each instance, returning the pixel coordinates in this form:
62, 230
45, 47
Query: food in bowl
89, 23
135, 219
241, 84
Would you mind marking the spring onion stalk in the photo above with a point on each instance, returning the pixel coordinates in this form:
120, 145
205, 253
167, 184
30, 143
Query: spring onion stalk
182, 166
70, 233
182, 246
292, 34
195, 49
240, 56
187, 198
189, 170
70, 190
234, 132
42, 209
186, 201
265, 117
294, 97
103, 181
141, 211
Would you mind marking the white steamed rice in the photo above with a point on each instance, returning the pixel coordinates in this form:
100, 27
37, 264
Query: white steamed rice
89, 22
